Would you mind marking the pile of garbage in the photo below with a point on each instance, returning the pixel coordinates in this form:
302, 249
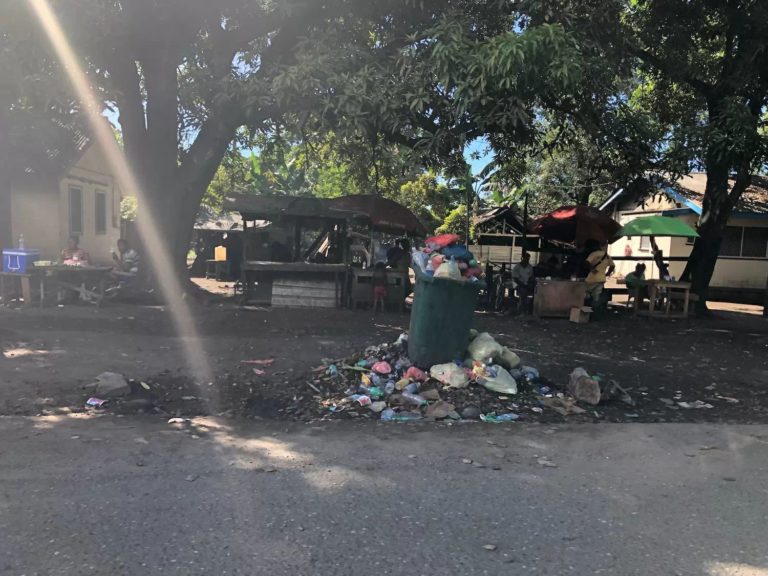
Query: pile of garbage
491, 384
444, 257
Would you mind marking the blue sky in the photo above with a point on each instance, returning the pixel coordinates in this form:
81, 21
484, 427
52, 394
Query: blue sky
479, 146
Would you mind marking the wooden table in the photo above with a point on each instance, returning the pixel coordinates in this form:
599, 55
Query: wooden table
82, 278
655, 290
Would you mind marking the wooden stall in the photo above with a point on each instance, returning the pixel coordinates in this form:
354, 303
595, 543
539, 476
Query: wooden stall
297, 251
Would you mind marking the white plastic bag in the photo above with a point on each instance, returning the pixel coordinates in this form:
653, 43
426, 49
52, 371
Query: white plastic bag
448, 269
484, 347
502, 382
449, 375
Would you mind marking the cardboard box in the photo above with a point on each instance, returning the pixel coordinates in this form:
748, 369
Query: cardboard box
580, 315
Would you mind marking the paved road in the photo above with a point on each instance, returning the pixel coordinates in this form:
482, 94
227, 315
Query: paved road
131, 496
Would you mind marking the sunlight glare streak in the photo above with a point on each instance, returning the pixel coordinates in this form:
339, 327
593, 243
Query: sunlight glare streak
148, 228
734, 569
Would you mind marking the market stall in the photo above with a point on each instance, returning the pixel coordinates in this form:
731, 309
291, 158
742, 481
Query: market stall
299, 251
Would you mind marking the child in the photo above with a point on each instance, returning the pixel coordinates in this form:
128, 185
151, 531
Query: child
379, 285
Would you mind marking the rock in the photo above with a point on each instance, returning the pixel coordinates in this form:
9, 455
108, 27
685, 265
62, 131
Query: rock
191, 477
490, 547
546, 463
466, 461
471, 413
454, 416
431, 395
582, 387
439, 410
111, 385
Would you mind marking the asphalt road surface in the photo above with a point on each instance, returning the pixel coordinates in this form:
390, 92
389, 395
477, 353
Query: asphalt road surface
124, 496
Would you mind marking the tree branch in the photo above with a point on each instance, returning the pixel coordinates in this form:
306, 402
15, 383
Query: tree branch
674, 70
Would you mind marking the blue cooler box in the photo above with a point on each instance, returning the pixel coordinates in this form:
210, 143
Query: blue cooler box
18, 261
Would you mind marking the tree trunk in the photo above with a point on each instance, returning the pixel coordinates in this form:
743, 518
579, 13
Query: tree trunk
715, 212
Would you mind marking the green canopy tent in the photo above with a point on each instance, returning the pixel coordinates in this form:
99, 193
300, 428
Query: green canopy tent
657, 226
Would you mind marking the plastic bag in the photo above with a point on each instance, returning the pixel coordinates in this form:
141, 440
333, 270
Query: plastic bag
484, 347
415, 374
459, 251
419, 260
449, 375
509, 359
437, 242
502, 382
448, 270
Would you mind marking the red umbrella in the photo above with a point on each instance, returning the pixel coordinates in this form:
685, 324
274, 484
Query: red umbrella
575, 225
386, 215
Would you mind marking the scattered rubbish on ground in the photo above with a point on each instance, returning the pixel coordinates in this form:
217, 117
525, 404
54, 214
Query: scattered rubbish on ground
191, 477
490, 547
546, 463
491, 384
264, 362
695, 405
95, 402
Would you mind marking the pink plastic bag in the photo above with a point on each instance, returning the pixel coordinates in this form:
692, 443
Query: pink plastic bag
382, 368
415, 374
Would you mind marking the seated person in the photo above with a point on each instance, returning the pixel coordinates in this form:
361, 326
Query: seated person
636, 283
126, 260
73, 255
523, 279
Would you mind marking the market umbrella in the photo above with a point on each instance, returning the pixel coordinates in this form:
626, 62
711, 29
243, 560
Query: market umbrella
658, 226
385, 214
575, 225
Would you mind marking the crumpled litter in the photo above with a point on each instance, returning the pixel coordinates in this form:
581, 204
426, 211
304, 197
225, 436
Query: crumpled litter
449, 375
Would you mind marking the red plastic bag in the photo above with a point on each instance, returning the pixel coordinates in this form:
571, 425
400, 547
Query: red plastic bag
437, 242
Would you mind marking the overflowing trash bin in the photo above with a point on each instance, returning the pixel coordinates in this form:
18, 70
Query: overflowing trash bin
441, 319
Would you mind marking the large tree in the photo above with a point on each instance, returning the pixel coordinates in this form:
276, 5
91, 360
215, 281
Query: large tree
702, 72
183, 76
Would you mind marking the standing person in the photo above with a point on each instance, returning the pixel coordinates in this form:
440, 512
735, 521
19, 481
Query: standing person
600, 267
379, 281
524, 280
126, 260
658, 258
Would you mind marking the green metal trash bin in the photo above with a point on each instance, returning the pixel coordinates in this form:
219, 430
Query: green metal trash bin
441, 318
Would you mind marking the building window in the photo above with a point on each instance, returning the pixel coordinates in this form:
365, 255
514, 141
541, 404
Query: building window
755, 243
645, 244
100, 206
741, 242
731, 245
75, 210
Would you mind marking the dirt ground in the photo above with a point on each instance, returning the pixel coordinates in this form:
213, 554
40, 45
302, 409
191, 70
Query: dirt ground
49, 356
